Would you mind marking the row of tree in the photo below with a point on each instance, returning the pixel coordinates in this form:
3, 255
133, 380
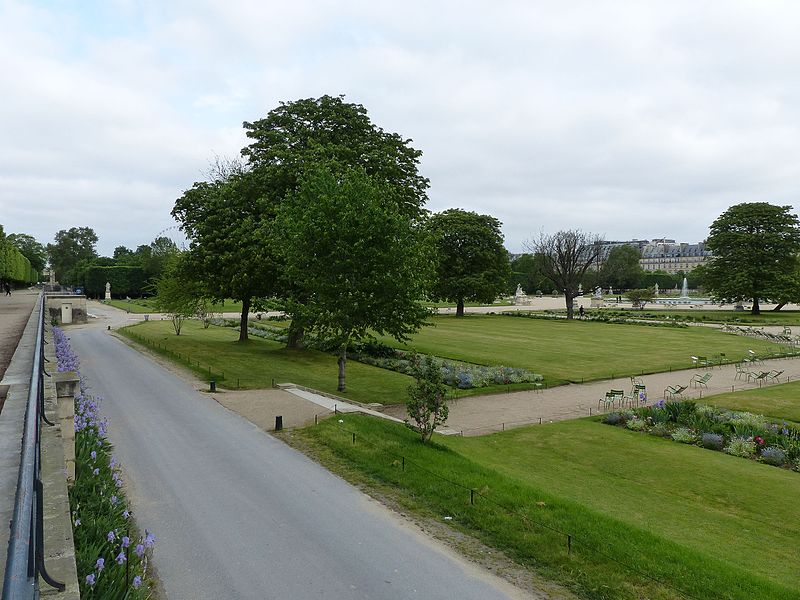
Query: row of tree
74, 258
620, 270
15, 266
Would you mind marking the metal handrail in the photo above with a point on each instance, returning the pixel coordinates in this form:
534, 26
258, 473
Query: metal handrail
25, 560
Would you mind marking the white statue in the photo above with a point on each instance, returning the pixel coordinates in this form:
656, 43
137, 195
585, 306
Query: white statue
656, 290
519, 291
598, 293
108, 291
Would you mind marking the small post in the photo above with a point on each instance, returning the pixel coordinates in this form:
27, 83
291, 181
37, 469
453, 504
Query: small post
403, 463
278, 422
504, 426
212, 386
315, 419
590, 411
540, 420
334, 410
354, 439
472, 497
237, 383
569, 544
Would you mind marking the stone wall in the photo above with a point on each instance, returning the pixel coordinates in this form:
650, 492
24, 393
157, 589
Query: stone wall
55, 304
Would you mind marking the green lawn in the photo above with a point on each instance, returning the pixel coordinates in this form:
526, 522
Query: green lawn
714, 525
776, 401
576, 350
145, 305
258, 362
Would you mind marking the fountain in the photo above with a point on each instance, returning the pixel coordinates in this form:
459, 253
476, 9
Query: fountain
683, 299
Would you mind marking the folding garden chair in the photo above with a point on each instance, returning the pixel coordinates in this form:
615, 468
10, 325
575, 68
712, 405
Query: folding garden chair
673, 391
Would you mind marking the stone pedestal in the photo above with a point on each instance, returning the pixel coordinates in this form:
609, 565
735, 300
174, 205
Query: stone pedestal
67, 387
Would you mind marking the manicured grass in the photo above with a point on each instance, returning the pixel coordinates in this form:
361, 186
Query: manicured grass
576, 350
713, 525
146, 305
259, 362
776, 401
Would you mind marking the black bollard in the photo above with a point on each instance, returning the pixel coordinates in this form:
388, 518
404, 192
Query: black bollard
278, 423
212, 385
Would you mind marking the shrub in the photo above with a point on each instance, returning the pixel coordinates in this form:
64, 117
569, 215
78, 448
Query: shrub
773, 456
659, 429
713, 441
683, 435
741, 446
636, 424
613, 418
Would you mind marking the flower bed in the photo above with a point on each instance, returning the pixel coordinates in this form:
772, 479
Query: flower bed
740, 434
111, 557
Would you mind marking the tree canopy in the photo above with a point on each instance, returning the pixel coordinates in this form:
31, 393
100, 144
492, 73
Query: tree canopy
621, 268
472, 264
755, 246
360, 265
567, 257
228, 222
30, 249
301, 134
70, 247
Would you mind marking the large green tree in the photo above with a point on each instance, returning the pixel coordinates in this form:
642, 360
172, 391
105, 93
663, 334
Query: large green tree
472, 264
35, 252
567, 257
621, 268
360, 264
527, 271
69, 248
228, 222
755, 246
302, 134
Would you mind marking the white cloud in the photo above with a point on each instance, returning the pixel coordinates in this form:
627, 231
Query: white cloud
628, 119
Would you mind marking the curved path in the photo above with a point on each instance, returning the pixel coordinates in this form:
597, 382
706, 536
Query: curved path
238, 514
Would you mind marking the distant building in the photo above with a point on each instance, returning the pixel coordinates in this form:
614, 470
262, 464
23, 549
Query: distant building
666, 255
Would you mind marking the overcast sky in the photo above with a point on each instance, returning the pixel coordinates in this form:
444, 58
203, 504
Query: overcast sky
627, 119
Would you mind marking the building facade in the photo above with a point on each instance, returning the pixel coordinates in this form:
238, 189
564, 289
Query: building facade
671, 257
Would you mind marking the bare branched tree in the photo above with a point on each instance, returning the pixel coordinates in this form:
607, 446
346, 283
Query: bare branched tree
567, 256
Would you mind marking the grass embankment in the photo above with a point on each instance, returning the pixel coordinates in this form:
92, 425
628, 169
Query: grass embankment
777, 401
147, 305
640, 510
575, 350
259, 362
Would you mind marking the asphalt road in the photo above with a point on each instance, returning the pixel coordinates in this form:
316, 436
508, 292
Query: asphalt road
238, 514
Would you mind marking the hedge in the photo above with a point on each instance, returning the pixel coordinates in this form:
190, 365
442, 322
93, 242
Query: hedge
14, 266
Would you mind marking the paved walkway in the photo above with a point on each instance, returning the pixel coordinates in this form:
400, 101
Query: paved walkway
478, 415
14, 312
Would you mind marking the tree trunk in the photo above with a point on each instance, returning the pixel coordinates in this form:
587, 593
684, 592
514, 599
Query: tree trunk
756, 308
570, 310
342, 363
295, 335
780, 306
243, 320
460, 307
